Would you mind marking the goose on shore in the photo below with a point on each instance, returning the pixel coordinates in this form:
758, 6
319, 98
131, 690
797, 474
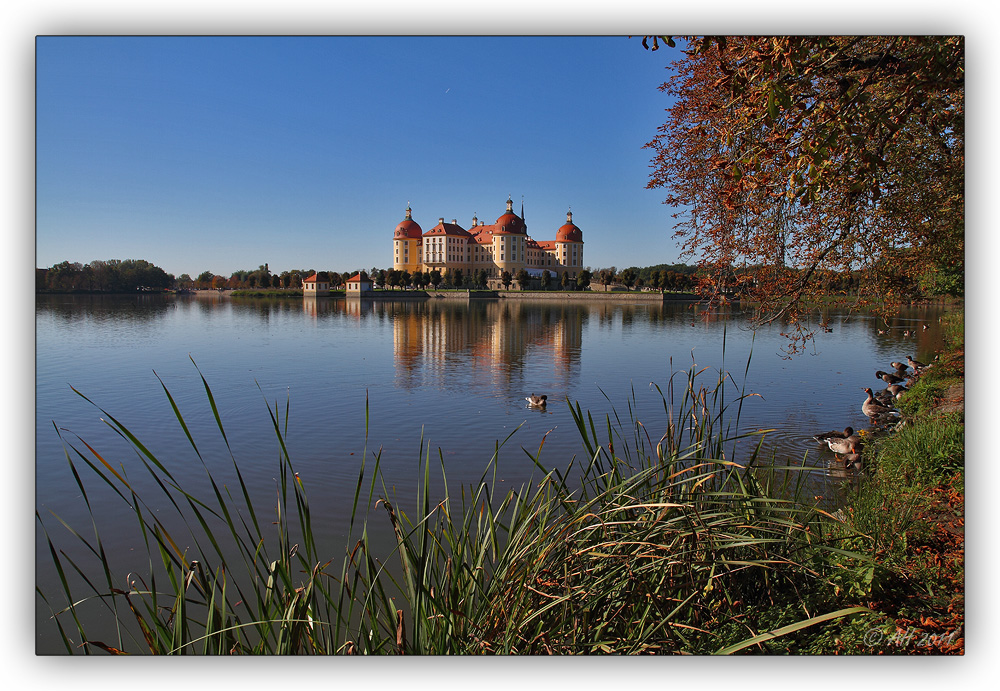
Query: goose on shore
898, 365
873, 409
915, 364
888, 378
536, 401
896, 390
886, 398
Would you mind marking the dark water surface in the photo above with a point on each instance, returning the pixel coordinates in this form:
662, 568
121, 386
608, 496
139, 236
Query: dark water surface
452, 374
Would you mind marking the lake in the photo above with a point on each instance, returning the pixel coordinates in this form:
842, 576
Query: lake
442, 375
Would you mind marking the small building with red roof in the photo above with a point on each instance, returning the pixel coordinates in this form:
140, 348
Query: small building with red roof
359, 285
313, 287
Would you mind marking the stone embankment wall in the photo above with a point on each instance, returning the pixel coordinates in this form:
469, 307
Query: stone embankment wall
465, 296
556, 295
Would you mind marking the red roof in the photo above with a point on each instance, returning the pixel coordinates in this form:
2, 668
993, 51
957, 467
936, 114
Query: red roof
569, 233
357, 278
408, 229
311, 279
509, 223
448, 229
483, 235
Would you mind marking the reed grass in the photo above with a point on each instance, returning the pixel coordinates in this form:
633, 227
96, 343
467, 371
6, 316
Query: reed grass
645, 543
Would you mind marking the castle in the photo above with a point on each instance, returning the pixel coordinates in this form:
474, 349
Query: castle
502, 246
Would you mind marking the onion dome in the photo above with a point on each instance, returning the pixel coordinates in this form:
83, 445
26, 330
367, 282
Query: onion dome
408, 228
569, 232
510, 222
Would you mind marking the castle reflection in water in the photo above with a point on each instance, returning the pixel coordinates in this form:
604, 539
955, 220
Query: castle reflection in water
491, 340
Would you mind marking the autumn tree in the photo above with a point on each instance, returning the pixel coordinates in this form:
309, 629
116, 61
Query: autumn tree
790, 157
65, 277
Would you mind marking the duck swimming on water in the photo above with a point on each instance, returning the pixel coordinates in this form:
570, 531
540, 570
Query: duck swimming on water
536, 401
851, 444
848, 431
840, 442
852, 460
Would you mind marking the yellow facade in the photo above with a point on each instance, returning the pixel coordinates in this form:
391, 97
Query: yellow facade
502, 246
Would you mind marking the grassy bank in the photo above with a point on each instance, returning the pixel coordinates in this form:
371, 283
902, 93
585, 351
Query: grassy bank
911, 508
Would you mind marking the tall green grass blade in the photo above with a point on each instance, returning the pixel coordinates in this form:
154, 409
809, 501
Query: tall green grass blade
791, 628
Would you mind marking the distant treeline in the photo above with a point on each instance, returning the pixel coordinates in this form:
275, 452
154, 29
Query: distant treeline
687, 277
658, 277
131, 275
111, 276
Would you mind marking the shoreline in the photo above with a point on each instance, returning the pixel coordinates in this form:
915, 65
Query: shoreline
470, 295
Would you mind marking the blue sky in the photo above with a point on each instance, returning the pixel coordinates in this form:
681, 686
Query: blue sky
223, 153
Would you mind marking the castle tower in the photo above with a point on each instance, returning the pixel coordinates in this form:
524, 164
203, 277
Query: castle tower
407, 244
569, 247
510, 242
